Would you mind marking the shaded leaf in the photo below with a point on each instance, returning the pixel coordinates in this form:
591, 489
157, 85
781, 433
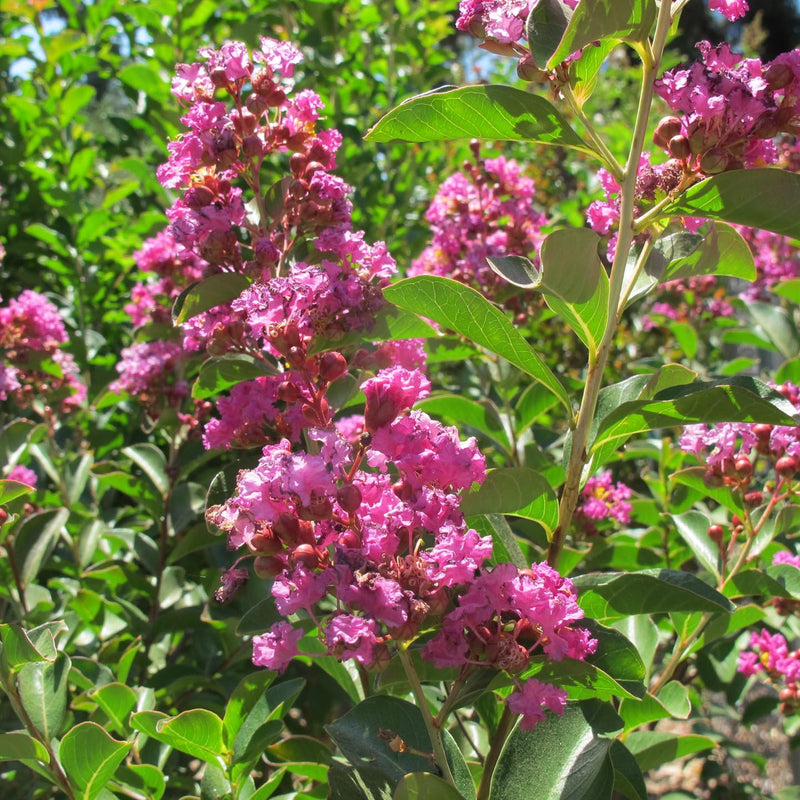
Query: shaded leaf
520, 491
761, 198
207, 294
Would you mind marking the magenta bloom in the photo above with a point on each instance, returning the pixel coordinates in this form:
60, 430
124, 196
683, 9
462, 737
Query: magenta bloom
22, 474
732, 9
532, 697
276, 648
389, 393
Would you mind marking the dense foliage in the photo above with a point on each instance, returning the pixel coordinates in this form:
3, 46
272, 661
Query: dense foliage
373, 432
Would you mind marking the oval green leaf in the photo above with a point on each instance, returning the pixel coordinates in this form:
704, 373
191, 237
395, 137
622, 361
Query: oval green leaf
469, 313
477, 112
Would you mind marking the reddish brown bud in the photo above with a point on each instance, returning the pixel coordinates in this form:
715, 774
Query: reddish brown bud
289, 392
268, 566
778, 76
786, 466
349, 498
678, 147
667, 128
716, 533
712, 479
744, 469
266, 544
218, 77
350, 540
305, 554
252, 146
332, 366
753, 499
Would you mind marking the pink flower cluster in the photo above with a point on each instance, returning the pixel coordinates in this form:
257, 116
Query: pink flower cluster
486, 210
731, 450
769, 654
365, 537
153, 370
501, 23
601, 499
785, 557
355, 519
35, 371
732, 107
504, 617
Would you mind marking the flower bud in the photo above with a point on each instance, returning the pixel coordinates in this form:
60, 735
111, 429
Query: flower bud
753, 499
332, 365
218, 77
713, 162
349, 498
667, 128
350, 540
268, 566
778, 76
786, 466
678, 147
527, 69
743, 467
716, 533
305, 554
252, 146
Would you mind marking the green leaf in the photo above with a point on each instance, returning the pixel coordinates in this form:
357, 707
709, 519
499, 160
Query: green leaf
641, 631
35, 539
617, 657
628, 779
761, 198
90, 758
250, 690
694, 478
117, 701
27, 647
572, 279
364, 734
520, 491
788, 576
467, 312
545, 27
152, 462
11, 490
721, 250
43, 689
672, 702
505, 548
197, 732
18, 746
585, 71
207, 294
693, 528
391, 323
611, 595
595, 20
219, 374
476, 112
563, 758
575, 283
653, 748
425, 786
778, 327
738, 399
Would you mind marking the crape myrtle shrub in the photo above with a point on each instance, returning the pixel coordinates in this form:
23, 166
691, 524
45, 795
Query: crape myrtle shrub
314, 529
